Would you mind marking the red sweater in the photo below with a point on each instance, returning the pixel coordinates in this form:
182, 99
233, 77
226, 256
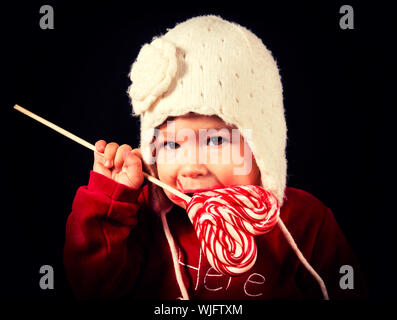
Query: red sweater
115, 246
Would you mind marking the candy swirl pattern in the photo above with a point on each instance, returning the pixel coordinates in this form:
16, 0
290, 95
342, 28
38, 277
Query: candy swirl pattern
226, 221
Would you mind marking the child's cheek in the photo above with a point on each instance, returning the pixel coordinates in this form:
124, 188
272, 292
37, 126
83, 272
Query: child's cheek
167, 173
241, 169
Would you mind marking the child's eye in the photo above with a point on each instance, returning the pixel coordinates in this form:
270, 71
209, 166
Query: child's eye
170, 145
216, 140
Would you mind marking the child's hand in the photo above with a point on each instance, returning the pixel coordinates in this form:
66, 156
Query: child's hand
122, 164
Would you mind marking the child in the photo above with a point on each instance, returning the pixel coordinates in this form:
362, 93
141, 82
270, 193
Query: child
207, 89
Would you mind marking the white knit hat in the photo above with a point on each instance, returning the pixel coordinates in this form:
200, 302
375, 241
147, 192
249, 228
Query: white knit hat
211, 66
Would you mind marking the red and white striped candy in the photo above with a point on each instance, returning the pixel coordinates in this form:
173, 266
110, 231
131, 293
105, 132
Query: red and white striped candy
226, 221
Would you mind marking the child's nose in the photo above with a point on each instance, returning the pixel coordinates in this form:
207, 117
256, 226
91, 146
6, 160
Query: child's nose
193, 170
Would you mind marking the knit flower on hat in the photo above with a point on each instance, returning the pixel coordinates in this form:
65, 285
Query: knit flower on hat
152, 73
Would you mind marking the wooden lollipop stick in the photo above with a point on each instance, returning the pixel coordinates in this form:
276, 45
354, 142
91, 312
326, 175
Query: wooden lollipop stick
92, 147
55, 127
167, 187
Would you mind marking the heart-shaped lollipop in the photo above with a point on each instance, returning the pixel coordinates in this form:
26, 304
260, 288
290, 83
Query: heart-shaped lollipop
226, 221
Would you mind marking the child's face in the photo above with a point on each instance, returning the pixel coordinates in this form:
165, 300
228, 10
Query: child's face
193, 158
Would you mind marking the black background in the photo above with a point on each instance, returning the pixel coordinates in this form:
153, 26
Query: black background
338, 95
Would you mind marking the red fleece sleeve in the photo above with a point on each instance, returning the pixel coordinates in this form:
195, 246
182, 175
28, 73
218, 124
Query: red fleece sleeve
100, 256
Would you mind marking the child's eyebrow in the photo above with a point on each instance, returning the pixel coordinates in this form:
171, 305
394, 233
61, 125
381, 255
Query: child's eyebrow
225, 126
219, 125
216, 127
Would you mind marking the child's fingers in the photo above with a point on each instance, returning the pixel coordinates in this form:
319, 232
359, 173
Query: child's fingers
133, 168
138, 153
99, 159
120, 155
133, 161
110, 153
100, 146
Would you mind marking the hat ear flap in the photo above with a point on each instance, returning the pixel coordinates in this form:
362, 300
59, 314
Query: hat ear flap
158, 200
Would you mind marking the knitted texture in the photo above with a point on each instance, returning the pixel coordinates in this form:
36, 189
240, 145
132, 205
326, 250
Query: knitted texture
211, 66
